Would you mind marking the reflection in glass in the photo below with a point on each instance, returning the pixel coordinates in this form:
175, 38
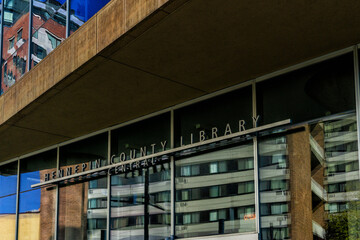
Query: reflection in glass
148, 136
140, 204
83, 206
335, 179
8, 181
36, 206
49, 28
15, 41
83, 10
318, 90
217, 112
127, 205
140, 200
274, 188
215, 193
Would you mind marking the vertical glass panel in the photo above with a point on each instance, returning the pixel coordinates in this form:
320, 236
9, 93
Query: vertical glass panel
213, 115
15, 41
49, 27
128, 205
140, 200
274, 180
8, 182
319, 90
83, 206
335, 179
218, 197
83, 10
37, 206
159, 208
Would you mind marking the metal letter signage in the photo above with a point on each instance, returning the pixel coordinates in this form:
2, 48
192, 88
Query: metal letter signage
144, 160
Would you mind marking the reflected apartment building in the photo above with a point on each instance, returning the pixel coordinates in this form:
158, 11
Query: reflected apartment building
270, 158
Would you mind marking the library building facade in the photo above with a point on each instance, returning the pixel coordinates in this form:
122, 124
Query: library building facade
118, 146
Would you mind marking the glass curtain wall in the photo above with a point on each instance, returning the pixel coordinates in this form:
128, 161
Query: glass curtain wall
308, 172
83, 206
274, 182
37, 205
81, 11
8, 186
340, 167
301, 172
15, 37
48, 27
140, 200
48, 30
215, 191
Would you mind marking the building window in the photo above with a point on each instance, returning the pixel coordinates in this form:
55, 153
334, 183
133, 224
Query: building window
214, 167
54, 41
19, 35
11, 42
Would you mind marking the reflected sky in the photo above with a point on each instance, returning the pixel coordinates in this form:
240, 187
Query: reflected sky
8, 193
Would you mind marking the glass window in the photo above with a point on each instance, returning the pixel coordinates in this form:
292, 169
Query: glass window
215, 197
214, 167
11, 42
19, 35
214, 117
49, 27
273, 176
83, 10
185, 171
16, 21
214, 191
8, 182
195, 170
145, 137
37, 205
78, 203
213, 216
319, 90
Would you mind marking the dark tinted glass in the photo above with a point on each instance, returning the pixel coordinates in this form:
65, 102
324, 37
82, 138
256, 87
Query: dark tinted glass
322, 89
149, 135
215, 112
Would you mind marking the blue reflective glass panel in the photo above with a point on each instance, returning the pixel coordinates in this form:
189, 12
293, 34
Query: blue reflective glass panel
8, 182
81, 11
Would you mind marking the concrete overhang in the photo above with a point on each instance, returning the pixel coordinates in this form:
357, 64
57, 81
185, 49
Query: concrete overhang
135, 57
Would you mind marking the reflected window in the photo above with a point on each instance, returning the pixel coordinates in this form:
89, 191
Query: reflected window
19, 35
206, 200
11, 42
